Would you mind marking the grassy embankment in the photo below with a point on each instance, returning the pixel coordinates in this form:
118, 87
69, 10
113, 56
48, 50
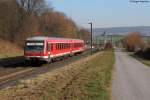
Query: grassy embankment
8, 49
144, 61
87, 79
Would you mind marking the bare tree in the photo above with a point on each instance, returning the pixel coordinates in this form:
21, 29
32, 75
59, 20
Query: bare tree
32, 5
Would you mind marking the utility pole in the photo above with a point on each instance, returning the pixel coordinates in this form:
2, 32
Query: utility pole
91, 36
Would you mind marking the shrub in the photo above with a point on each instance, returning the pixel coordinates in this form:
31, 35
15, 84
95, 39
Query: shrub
133, 42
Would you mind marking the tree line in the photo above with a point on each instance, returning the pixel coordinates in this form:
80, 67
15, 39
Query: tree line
20, 19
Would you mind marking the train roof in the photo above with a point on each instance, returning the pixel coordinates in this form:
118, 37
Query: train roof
42, 38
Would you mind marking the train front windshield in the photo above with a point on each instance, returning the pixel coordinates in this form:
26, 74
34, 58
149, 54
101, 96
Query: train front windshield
34, 46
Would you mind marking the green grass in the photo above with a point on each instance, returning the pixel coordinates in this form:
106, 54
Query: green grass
99, 84
94, 83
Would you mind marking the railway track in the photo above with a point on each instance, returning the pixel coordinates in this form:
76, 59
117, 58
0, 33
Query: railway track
9, 76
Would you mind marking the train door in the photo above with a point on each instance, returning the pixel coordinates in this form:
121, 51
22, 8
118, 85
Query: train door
49, 50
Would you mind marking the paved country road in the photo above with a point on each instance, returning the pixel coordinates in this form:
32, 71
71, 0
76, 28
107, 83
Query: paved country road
131, 79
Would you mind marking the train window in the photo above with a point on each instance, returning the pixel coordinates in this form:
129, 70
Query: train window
51, 47
57, 46
62, 46
47, 46
65, 45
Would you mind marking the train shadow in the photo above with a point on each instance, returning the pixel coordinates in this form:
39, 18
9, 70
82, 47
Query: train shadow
14, 62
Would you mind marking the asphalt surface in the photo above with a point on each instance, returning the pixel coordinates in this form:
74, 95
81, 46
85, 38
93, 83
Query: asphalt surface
131, 78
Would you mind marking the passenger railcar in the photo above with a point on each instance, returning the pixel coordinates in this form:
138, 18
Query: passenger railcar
49, 48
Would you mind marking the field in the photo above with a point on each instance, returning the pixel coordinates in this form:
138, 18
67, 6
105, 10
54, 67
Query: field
86, 79
115, 38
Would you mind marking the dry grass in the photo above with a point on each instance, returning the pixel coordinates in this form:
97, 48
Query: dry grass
144, 61
8, 49
93, 83
87, 79
147, 62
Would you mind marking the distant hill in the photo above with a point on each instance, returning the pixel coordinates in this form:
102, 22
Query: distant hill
144, 30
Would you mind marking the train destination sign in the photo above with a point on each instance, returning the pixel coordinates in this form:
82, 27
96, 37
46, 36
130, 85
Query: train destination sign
35, 44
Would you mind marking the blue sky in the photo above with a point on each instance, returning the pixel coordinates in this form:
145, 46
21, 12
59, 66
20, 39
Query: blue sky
104, 13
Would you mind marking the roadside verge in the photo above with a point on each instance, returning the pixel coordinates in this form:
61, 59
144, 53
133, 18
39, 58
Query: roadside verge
142, 60
88, 78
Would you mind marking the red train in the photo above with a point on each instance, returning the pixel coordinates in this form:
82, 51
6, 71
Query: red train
49, 48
